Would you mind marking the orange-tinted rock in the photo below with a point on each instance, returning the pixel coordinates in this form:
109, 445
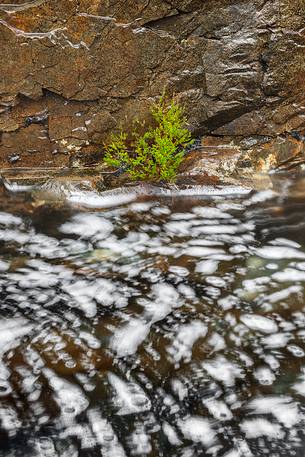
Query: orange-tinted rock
232, 157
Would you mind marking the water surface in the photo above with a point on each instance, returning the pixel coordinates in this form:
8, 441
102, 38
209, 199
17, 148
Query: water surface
169, 325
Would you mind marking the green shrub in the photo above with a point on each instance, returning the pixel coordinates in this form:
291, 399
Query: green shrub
156, 154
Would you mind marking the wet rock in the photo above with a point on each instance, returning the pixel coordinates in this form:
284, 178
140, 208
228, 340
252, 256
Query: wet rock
72, 71
284, 152
229, 158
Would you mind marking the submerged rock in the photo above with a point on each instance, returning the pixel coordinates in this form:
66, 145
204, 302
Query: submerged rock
89, 192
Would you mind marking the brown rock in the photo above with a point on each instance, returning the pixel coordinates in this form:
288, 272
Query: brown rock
73, 71
231, 158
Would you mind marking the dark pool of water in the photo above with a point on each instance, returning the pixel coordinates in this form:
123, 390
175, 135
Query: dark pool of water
168, 326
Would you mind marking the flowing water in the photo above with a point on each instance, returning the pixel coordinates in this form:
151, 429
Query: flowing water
171, 324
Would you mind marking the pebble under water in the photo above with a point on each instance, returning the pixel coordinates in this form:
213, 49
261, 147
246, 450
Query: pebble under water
169, 326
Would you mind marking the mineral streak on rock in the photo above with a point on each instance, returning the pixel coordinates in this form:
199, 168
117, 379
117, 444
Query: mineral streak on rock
74, 70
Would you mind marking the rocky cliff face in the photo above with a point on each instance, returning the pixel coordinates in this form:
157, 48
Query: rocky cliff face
71, 71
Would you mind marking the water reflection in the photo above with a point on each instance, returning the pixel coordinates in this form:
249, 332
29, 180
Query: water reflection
170, 325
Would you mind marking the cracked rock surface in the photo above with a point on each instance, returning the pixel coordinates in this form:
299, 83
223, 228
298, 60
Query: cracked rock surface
72, 71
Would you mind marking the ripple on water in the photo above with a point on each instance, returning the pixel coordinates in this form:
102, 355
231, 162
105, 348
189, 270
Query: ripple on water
152, 323
259, 323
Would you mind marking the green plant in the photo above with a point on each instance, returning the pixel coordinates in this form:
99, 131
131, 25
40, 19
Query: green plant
156, 154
